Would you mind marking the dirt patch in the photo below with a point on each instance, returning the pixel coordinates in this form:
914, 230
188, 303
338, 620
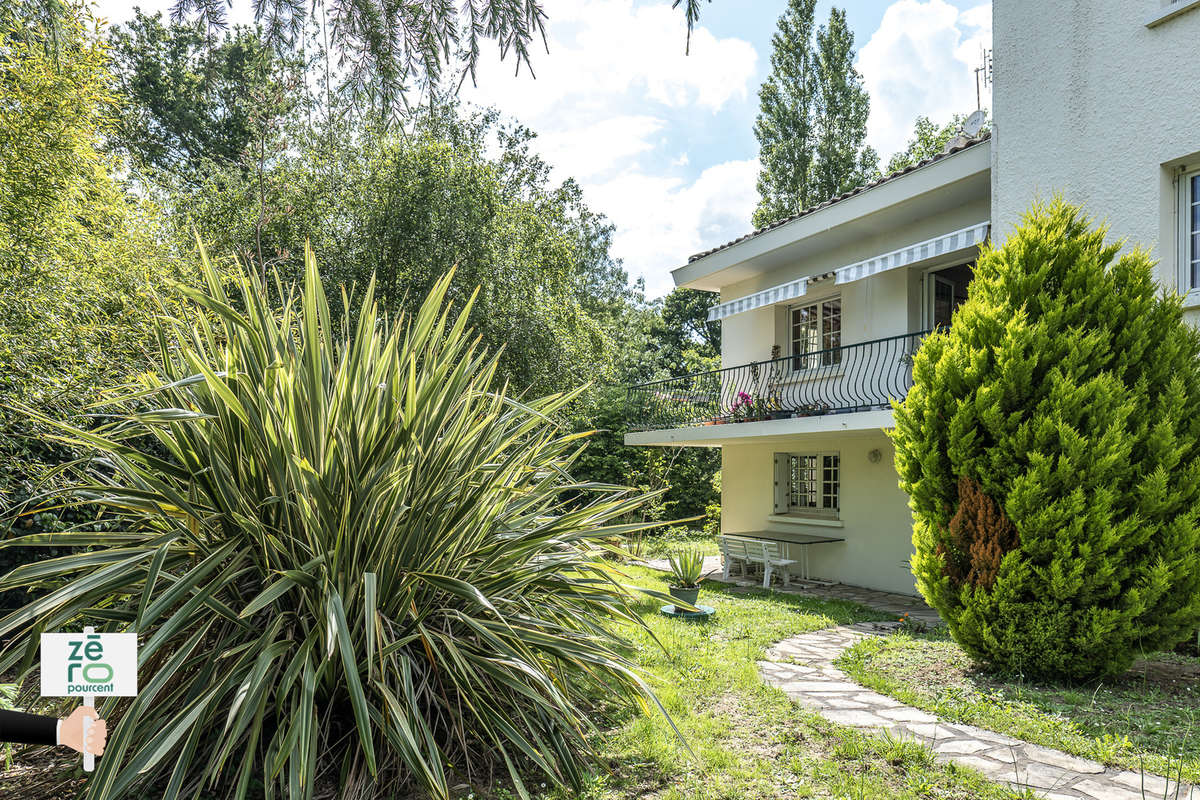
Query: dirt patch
39, 774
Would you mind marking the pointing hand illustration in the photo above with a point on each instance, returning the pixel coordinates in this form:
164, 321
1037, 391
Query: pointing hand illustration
71, 732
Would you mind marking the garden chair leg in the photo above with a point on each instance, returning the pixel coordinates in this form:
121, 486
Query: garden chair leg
766, 576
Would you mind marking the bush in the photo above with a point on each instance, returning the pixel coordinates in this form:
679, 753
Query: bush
1064, 400
354, 568
77, 252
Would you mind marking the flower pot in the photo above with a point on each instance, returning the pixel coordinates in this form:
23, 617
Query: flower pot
685, 595
780, 415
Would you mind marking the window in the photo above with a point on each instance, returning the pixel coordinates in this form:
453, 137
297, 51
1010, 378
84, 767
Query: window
808, 483
1190, 229
817, 329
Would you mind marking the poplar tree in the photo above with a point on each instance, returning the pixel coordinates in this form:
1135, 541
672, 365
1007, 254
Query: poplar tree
842, 106
784, 124
812, 117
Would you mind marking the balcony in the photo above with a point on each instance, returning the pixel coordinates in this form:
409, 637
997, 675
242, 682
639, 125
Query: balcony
865, 376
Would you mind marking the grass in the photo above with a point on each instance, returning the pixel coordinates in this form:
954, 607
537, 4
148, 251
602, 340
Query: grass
660, 545
747, 740
1149, 719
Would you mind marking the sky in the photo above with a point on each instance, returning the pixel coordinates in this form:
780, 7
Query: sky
662, 142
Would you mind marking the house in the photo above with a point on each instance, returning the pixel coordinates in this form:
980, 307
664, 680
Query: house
1101, 101
822, 312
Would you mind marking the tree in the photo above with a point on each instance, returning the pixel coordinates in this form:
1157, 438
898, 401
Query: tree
187, 99
1051, 450
79, 256
384, 49
812, 119
928, 140
785, 120
407, 208
841, 160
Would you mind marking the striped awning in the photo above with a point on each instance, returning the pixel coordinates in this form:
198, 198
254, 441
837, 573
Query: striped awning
942, 245
931, 248
767, 297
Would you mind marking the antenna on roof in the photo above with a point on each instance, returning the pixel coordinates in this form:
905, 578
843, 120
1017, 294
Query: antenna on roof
983, 73
974, 123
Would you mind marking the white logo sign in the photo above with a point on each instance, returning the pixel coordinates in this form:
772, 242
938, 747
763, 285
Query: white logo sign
89, 664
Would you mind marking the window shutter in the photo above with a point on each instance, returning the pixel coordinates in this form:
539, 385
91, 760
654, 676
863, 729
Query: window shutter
781, 483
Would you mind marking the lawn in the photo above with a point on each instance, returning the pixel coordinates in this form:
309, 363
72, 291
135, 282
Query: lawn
661, 545
1147, 719
748, 740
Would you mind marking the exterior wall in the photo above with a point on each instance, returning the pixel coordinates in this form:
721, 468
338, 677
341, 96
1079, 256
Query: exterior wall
1090, 102
883, 305
874, 520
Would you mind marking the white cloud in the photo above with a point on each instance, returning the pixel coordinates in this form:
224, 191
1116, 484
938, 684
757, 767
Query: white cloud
921, 61
661, 220
613, 102
572, 150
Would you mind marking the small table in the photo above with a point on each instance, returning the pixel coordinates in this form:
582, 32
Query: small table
802, 539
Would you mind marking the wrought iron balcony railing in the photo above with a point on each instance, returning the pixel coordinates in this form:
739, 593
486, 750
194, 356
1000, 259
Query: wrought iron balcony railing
855, 377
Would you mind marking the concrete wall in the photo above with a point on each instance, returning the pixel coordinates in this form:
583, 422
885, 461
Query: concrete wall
874, 519
1090, 102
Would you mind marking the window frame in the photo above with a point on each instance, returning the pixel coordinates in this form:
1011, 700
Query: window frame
829, 503
1163, 10
829, 359
1188, 229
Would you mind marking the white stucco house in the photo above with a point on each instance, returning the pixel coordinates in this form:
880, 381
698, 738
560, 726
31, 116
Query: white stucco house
821, 312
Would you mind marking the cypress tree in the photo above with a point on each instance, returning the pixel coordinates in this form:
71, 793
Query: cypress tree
1066, 392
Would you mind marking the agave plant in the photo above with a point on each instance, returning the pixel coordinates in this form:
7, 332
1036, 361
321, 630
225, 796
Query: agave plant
686, 567
352, 561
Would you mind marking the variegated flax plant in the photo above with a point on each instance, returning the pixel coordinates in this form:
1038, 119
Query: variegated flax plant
358, 569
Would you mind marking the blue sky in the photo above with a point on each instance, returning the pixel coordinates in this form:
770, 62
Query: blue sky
663, 143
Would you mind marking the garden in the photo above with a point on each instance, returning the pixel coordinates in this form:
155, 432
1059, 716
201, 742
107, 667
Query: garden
297, 398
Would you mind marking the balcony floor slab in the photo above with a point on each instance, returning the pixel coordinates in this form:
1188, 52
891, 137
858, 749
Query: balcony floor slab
730, 433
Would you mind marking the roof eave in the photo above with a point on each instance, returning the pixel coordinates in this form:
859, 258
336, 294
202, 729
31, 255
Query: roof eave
702, 272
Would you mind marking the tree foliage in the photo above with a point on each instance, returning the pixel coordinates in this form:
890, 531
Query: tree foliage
407, 208
841, 160
928, 140
383, 49
1066, 393
186, 99
813, 110
78, 255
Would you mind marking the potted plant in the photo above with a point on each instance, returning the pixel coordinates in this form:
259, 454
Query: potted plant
686, 568
743, 407
775, 409
812, 409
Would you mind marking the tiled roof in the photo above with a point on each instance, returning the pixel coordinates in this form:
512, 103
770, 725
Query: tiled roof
983, 137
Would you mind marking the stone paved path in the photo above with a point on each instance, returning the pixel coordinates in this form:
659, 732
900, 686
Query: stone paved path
802, 666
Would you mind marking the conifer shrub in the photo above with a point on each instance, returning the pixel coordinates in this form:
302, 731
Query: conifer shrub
1050, 447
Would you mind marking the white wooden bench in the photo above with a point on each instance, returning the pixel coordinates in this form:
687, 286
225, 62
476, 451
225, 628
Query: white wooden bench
746, 549
733, 551
770, 555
